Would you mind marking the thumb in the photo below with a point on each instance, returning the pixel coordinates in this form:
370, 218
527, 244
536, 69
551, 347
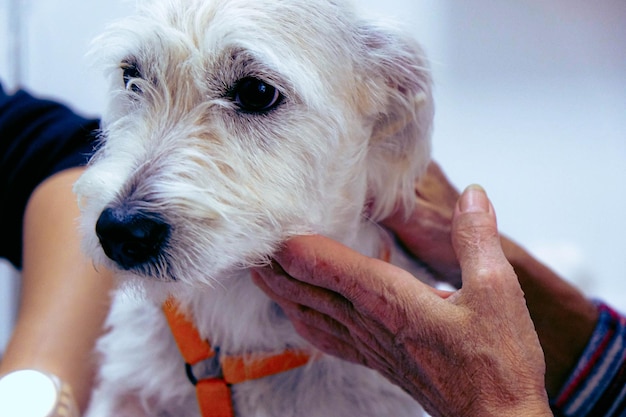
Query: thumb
476, 240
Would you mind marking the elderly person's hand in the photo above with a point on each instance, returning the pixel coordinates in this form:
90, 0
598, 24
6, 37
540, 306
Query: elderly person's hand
473, 352
564, 318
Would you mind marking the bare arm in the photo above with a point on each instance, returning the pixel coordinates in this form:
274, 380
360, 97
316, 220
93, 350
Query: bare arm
564, 318
64, 299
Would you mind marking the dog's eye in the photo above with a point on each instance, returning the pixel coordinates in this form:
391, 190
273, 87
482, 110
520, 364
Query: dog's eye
130, 74
254, 95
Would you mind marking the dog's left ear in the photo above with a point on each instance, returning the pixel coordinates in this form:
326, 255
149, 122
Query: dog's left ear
398, 87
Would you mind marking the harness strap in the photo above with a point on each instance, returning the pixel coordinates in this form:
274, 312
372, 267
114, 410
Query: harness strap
213, 392
193, 348
214, 398
238, 369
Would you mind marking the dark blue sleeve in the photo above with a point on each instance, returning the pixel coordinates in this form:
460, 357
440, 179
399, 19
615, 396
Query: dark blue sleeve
38, 138
597, 386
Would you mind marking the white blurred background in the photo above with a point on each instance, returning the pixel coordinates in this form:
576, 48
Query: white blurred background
531, 104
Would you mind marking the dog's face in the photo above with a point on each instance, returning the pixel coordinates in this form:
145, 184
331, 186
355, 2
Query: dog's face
235, 124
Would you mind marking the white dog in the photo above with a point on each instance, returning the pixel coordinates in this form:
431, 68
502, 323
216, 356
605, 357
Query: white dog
232, 126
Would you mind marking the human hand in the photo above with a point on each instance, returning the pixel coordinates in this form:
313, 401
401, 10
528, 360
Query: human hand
473, 352
563, 316
426, 231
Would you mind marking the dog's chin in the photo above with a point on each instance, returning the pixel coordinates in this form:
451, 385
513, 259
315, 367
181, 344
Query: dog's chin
145, 287
161, 275
156, 270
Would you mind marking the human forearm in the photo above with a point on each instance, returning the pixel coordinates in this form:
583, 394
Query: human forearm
564, 318
64, 299
53, 337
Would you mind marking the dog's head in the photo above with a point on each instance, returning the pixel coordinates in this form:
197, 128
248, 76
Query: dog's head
235, 124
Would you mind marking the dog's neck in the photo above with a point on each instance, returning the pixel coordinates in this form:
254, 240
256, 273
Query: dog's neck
238, 317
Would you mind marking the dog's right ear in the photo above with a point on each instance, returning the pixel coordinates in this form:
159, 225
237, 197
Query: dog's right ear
397, 89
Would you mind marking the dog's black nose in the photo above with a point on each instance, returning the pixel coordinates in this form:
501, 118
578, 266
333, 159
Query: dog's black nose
131, 239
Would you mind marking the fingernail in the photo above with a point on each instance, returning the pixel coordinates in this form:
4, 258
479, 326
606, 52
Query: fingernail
474, 199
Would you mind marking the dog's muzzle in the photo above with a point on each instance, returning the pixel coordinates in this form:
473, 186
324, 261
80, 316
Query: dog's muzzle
131, 238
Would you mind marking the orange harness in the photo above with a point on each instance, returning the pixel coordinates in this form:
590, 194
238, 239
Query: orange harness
213, 392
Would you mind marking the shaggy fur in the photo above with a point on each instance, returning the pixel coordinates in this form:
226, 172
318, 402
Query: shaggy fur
347, 126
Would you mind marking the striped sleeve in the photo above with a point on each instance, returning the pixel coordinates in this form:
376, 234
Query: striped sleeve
597, 386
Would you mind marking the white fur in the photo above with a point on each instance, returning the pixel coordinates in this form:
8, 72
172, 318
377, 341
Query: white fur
352, 130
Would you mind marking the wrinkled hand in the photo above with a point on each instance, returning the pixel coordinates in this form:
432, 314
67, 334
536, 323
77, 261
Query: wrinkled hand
473, 352
426, 231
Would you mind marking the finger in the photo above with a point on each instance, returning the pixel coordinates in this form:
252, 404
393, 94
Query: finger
262, 280
433, 191
356, 328
369, 284
352, 350
318, 307
476, 241
356, 344
328, 264
300, 312
435, 187
326, 311
301, 297
321, 330
329, 342
427, 233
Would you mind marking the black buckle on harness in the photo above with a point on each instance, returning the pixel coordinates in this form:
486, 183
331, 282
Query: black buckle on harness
205, 369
